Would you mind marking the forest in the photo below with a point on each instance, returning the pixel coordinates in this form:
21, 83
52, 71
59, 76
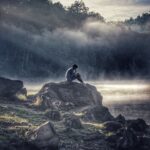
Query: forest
40, 39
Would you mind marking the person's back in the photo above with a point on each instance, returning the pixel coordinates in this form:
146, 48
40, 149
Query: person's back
70, 74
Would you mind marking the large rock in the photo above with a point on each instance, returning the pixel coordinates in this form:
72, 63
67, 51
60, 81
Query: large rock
121, 119
112, 126
75, 96
128, 140
145, 142
73, 121
124, 139
138, 125
53, 115
9, 87
44, 137
67, 96
97, 114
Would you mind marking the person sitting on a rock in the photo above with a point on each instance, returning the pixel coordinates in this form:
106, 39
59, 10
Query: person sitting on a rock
71, 74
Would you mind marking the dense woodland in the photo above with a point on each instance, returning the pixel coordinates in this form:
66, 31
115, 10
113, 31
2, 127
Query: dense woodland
141, 20
40, 38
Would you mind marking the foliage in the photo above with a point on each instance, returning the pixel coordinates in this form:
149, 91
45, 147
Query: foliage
78, 8
143, 19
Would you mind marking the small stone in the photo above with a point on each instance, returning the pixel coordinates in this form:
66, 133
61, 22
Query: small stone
44, 136
53, 115
73, 122
112, 125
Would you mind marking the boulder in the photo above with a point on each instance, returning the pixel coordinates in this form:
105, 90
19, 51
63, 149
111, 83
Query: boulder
53, 115
128, 140
121, 119
9, 88
124, 139
97, 114
66, 96
138, 125
83, 98
112, 126
44, 136
144, 142
73, 121
112, 140
23, 91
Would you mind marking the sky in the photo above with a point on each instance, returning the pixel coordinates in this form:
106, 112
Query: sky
115, 10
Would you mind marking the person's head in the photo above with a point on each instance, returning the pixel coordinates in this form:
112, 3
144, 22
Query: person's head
74, 66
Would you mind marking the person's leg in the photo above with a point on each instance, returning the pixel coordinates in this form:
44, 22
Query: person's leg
71, 79
79, 78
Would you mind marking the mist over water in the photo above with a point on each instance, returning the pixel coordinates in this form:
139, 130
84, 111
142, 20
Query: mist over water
130, 98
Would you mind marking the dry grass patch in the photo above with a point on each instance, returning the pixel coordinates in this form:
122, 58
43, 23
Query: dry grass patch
12, 118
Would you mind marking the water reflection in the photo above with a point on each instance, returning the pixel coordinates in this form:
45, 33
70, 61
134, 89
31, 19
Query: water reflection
129, 98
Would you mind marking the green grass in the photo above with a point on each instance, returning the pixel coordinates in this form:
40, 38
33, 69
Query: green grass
12, 118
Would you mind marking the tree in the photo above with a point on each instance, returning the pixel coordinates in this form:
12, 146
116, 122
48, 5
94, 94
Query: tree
96, 16
78, 8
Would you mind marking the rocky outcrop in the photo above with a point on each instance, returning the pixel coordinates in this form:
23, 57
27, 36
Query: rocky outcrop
112, 126
138, 125
66, 96
121, 119
128, 139
44, 137
77, 120
128, 134
74, 96
74, 106
9, 88
73, 121
97, 114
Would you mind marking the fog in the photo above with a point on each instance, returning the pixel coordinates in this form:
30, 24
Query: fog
102, 50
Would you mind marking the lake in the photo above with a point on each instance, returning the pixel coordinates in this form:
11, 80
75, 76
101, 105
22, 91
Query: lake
129, 98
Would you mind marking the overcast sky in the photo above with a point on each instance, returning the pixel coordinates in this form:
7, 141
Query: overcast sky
115, 9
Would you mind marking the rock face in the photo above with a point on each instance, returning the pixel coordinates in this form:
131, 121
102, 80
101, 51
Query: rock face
138, 125
128, 140
53, 115
74, 96
121, 119
44, 137
97, 114
112, 125
67, 96
9, 87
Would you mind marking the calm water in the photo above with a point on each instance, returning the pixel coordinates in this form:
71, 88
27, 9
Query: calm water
129, 98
